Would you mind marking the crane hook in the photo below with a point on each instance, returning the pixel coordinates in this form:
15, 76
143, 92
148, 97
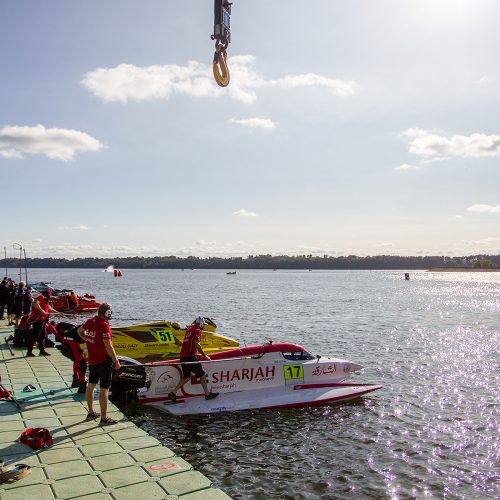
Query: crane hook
220, 69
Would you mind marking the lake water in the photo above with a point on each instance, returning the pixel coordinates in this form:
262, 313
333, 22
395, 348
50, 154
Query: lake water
432, 342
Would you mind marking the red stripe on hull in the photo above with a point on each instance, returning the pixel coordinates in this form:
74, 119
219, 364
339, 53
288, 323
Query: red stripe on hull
332, 384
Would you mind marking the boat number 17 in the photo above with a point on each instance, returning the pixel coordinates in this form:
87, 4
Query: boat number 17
293, 371
165, 336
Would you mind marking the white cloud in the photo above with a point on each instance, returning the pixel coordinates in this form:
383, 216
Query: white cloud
484, 208
203, 243
74, 228
55, 143
406, 167
127, 82
431, 145
488, 79
383, 245
10, 153
264, 123
245, 213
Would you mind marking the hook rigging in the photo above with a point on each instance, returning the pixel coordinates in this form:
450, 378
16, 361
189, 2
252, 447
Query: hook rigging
222, 37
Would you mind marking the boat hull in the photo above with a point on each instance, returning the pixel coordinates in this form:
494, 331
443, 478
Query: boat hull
299, 396
156, 341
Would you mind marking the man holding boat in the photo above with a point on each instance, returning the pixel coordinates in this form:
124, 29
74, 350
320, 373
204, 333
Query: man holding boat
190, 349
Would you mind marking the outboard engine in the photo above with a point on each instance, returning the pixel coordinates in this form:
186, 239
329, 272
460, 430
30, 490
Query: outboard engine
131, 377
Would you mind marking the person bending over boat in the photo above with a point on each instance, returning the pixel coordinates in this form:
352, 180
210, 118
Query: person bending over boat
67, 334
102, 359
39, 316
191, 347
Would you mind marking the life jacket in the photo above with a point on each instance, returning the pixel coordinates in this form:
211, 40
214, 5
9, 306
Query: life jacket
36, 438
25, 322
4, 393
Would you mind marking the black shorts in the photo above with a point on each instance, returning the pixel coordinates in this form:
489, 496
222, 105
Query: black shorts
192, 368
101, 373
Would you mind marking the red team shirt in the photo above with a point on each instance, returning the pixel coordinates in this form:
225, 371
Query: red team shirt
97, 329
192, 335
36, 315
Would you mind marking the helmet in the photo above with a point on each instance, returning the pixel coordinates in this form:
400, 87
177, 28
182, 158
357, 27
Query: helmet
176, 325
200, 321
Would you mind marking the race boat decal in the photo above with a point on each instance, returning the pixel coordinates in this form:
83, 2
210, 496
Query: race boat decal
249, 374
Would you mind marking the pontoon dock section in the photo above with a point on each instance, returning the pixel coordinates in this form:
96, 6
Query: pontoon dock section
86, 460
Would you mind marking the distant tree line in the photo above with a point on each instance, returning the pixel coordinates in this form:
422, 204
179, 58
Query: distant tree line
266, 262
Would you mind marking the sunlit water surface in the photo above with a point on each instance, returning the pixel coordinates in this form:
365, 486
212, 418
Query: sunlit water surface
431, 341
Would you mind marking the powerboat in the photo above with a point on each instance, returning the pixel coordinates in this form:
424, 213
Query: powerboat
280, 375
157, 340
67, 301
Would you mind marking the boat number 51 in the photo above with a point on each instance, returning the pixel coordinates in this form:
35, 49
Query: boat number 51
165, 336
293, 371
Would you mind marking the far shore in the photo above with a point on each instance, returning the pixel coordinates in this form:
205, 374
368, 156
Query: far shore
461, 270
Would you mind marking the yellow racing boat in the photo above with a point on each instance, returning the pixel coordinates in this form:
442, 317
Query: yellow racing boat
157, 340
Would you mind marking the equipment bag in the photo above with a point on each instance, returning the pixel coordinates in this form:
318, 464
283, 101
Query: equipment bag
22, 336
36, 438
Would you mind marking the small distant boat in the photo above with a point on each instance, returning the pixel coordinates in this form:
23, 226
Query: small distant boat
109, 269
117, 273
231, 272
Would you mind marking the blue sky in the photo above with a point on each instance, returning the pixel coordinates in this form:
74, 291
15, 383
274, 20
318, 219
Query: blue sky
354, 127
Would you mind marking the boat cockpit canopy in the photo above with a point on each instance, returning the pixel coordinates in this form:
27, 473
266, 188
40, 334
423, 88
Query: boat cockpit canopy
298, 356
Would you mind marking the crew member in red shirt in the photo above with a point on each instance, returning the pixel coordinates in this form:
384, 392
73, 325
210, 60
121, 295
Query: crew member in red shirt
38, 317
101, 358
66, 333
189, 354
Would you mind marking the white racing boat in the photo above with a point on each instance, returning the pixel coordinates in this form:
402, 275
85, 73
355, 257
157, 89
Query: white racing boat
265, 376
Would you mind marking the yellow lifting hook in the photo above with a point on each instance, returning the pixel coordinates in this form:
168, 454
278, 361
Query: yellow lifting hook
222, 37
221, 71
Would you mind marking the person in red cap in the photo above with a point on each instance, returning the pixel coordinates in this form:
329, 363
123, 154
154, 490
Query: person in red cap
190, 349
38, 317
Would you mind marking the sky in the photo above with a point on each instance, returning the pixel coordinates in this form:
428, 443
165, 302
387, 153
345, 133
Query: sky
362, 127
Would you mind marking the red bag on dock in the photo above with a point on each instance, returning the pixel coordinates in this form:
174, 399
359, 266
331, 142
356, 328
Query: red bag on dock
36, 438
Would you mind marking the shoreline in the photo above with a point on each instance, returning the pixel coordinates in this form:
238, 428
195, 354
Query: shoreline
461, 270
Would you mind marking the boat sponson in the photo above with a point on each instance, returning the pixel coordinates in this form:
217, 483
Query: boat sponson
298, 397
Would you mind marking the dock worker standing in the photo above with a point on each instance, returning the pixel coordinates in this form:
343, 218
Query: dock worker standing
101, 359
190, 349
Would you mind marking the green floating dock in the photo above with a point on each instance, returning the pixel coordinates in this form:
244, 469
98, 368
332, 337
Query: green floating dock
86, 460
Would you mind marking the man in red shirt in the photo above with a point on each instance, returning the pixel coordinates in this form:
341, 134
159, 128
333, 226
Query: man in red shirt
38, 317
101, 358
189, 350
